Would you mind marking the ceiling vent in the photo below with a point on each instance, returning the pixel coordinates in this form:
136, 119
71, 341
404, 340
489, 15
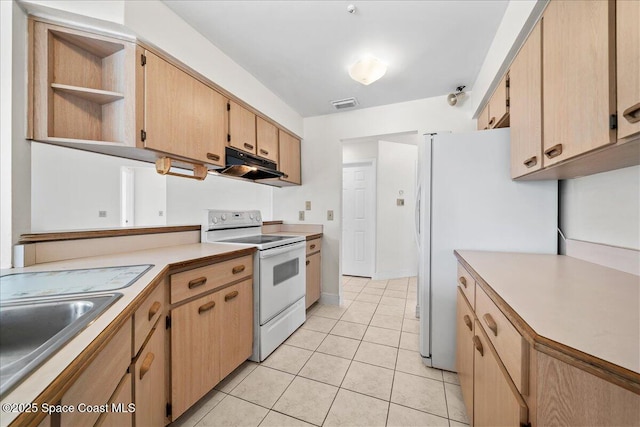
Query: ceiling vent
341, 104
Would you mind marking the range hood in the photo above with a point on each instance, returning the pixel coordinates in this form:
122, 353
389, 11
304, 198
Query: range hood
247, 166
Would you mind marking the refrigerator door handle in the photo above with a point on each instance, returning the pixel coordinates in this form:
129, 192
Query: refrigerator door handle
417, 214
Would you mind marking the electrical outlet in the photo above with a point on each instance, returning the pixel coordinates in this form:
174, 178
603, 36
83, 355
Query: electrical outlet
301, 215
307, 205
329, 215
102, 214
160, 213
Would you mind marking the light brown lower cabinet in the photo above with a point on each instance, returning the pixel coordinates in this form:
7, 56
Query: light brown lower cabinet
236, 330
465, 350
314, 264
120, 414
149, 379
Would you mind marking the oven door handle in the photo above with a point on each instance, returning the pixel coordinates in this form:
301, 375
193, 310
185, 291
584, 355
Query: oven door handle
268, 253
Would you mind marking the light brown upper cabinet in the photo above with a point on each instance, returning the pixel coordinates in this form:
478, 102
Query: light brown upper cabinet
289, 158
182, 116
578, 71
267, 139
499, 105
628, 67
82, 87
525, 110
483, 118
242, 128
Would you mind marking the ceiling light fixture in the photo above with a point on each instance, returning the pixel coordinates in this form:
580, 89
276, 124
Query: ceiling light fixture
453, 98
367, 70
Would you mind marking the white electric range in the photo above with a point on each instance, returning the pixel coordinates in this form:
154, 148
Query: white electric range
279, 284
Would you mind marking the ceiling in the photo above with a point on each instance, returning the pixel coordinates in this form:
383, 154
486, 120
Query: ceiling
301, 50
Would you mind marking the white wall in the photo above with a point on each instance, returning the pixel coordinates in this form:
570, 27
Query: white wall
149, 196
108, 10
603, 208
322, 164
396, 249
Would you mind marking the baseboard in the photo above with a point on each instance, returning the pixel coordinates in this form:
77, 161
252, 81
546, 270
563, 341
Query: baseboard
623, 259
393, 274
330, 299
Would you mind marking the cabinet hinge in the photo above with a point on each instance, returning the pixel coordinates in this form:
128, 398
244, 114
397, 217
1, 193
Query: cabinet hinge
167, 322
143, 135
525, 425
143, 59
613, 121
507, 102
168, 410
508, 82
228, 137
228, 107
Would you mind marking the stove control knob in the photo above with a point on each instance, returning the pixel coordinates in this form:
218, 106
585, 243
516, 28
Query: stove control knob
214, 220
223, 217
250, 216
258, 218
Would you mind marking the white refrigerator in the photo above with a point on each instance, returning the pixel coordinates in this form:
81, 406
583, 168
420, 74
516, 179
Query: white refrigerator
467, 200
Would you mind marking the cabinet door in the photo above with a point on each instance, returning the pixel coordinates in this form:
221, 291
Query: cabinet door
628, 67
525, 106
242, 128
496, 401
578, 72
267, 139
464, 351
236, 330
182, 116
195, 353
314, 263
499, 105
121, 399
483, 118
149, 371
289, 157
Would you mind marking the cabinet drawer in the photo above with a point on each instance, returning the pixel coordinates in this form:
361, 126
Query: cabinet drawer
314, 246
512, 348
194, 282
146, 316
467, 284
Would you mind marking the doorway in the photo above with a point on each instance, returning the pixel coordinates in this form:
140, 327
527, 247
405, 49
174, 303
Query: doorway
359, 218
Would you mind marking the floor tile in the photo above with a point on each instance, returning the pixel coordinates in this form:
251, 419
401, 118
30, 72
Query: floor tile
386, 321
400, 416
276, 419
383, 336
330, 311
319, 324
364, 306
410, 341
325, 368
372, 291
419, 393
313, 308
349, 330
455, 405
376, 354
288, 358
395, 294
304, 338
356, 316
377, 284
346, 279
411, 325
399, 281
339, 346
307, 400
453, 423
395, 302
397, 287
263, 386
368, 379
201, 408
390, 310
451, 377
234, 412
353, 409
236, 377
410, 362
348, 295
368, 297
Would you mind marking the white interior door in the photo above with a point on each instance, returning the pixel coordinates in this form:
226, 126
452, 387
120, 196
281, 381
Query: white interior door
358, 219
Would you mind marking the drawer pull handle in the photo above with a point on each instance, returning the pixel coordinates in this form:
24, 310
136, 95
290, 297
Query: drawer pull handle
312, 247
467, 321
263, 151
248, 146
554, 151
491, 324
531, 162
146, 364
206, 307
493, 119
155, 308
632, 114
197, 282
212, 156
238, 269
463, 282
308, 262
231, 295
478, 345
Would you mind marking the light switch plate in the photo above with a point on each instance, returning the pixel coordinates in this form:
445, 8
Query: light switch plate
329, 215
102, 214
400, 202
301, 215
307, 205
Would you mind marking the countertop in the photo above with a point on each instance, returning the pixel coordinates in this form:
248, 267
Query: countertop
568, 303
163, 259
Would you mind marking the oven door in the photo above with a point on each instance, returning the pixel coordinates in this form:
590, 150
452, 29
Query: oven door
282, 279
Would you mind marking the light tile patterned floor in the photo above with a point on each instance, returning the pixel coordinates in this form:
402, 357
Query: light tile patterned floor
354, 365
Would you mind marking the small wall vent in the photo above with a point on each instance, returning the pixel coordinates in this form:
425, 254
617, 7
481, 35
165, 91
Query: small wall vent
341, 104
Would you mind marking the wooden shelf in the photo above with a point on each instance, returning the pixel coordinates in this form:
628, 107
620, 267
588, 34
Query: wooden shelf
94, 95
96, 46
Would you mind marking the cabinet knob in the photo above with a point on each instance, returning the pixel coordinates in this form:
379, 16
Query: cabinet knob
531, 161
154, 309
308, 262
197, 282
632, 114
491, 324
312, 247
248, 146
231, 295
212, 156
478, 345
467, 321
554, 151
238, 269
146, 364
493, 119
206, 307
463, 282
263, 151
285, 176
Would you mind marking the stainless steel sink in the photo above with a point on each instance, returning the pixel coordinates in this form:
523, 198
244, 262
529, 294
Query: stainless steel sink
31, 330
